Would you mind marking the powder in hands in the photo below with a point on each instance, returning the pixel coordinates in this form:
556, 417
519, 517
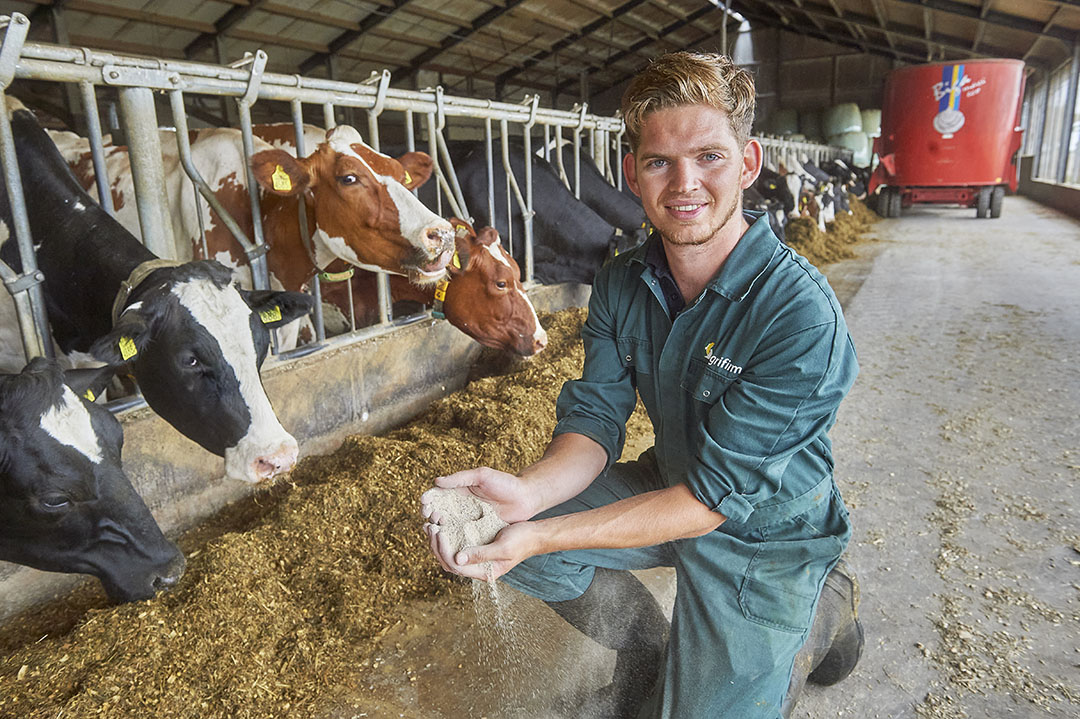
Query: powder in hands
467, 520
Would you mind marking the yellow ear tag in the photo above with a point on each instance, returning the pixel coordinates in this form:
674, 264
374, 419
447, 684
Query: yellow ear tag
269, 316
127, 348
457, 261
408, 178
440, 291
88, 394
460, 231
282, 182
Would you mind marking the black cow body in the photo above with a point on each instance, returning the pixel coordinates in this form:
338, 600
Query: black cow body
195, 342
570, 240
65, 503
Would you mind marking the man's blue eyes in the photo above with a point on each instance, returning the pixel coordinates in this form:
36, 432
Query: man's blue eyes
708, 157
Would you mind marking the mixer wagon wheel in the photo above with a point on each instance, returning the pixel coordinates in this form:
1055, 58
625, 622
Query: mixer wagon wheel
997, 197
982, 202
894, 202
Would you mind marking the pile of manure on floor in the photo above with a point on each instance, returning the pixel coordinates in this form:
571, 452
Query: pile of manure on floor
277, 616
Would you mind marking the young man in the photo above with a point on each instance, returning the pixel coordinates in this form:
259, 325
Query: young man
740, 353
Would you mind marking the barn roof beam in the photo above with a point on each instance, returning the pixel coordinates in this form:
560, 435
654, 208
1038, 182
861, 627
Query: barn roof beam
369, 23
673, 27
883, 21
855, 30
753, 12
986, 16
583, 32
450, 41
910, 32
225, 23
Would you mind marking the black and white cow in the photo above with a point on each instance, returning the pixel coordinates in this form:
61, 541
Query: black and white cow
570, 240
620, 209
65, 503
195, 342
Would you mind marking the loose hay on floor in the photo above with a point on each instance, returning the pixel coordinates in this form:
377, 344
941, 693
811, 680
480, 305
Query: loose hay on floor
278, 614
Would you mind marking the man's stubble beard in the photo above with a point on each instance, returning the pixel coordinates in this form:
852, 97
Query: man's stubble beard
693, 240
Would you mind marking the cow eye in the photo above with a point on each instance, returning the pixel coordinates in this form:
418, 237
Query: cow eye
54, 502
348, 179
501, 284
190, 361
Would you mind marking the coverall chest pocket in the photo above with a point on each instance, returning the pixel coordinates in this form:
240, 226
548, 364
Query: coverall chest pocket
706, 383
635, 354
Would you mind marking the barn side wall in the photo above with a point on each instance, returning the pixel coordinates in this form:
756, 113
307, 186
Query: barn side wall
354, 387
1061, 197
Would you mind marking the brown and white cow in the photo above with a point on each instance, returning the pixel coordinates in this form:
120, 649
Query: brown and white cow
482, 296
359, 205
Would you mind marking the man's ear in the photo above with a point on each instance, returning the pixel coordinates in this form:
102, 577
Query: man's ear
279, 172
753, 160
629, 171
123, 343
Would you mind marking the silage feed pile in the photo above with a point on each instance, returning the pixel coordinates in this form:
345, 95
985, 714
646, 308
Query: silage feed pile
277, 615
821, 248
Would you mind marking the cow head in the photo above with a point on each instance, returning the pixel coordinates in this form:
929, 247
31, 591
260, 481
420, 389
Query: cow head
485, 299
196, 343
364, 211
65, 503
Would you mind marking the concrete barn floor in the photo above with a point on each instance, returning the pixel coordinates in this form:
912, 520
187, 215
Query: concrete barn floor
958, 451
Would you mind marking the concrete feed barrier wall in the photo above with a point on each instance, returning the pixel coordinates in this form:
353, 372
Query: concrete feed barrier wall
358, 387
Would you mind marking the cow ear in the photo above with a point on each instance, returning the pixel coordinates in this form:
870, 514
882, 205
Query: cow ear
418, 167
276, 308
279, 172
487, 236
89, 382
123, 343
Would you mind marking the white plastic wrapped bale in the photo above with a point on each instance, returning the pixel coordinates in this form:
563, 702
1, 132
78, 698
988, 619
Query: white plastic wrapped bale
858, 143
871, 122
841, 119
784, 121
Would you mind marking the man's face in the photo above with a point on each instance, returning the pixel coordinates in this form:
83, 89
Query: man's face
690, 172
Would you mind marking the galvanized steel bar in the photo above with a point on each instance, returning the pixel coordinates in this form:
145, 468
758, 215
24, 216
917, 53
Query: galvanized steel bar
260, 274
144, 151
183, 146
25, 289
301, 212
329, 121
527, 129
97, 151
490, 171
382, 280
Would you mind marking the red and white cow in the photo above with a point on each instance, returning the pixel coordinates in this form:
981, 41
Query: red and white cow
358, 201
482, 297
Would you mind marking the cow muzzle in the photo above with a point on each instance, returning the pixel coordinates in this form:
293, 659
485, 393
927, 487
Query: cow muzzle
272, 464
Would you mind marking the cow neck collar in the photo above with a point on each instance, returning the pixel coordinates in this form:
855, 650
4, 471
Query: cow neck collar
460, 260
140, 273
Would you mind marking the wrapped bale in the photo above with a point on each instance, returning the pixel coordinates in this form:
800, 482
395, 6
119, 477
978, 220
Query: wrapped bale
841, 119
784, 121
859, 144
871, 122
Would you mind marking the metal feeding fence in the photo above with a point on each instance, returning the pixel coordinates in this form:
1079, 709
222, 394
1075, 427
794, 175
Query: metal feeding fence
137, 83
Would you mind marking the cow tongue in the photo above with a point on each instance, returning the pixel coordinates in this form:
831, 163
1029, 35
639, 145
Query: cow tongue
438, 264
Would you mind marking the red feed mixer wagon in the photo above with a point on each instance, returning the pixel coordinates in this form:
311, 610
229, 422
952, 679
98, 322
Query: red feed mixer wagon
950, 132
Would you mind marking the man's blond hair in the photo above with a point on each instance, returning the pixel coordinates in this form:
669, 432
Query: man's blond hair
690, 78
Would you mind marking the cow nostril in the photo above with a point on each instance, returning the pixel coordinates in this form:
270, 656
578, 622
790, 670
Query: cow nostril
161, 583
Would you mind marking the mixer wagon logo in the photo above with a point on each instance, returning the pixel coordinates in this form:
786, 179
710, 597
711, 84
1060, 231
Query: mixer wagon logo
954, 84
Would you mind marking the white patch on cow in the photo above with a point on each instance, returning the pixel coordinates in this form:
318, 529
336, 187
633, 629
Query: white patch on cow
539, 333
328, 249
343, 137
498, 253
414, 217
225, 315
69, 424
